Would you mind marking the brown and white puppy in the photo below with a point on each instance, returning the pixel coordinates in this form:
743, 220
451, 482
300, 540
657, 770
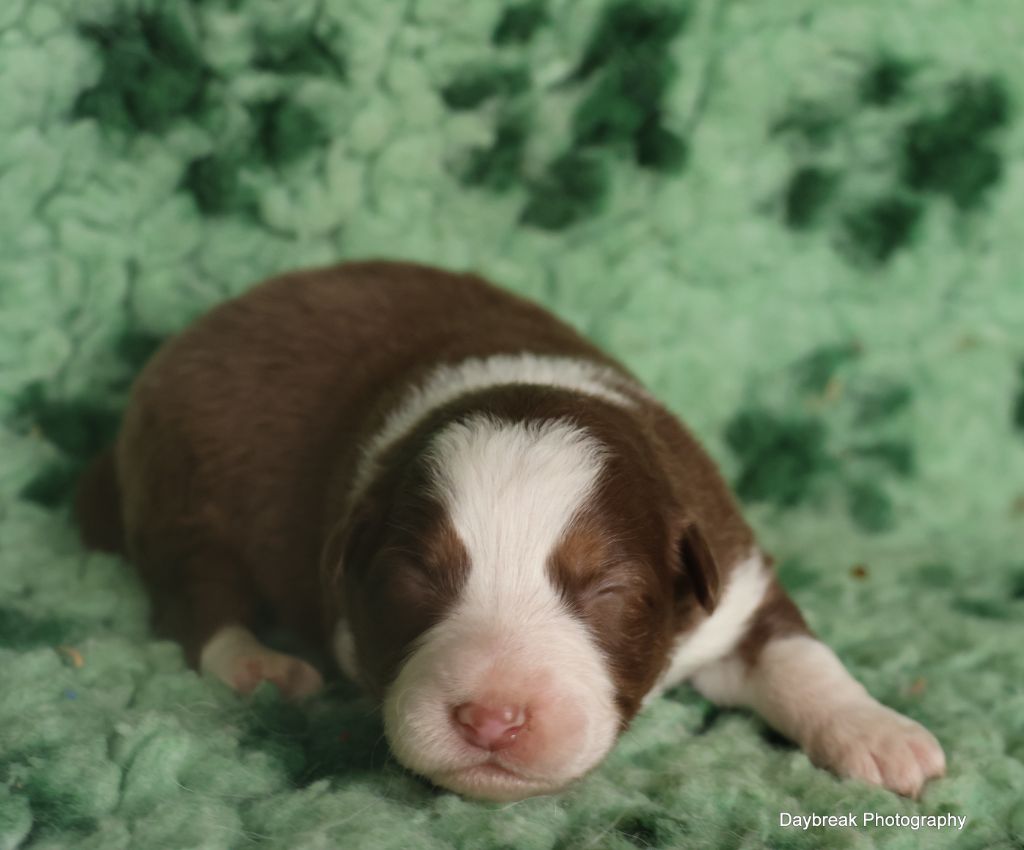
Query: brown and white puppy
492, 525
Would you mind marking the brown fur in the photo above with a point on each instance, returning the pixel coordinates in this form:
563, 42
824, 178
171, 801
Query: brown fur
776, 617
405, 564
97, 501
242, 433
237, 452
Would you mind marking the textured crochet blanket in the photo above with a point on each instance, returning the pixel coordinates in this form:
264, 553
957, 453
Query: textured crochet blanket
799, 221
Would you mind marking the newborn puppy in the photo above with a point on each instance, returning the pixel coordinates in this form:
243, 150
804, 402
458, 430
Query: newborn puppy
493, 527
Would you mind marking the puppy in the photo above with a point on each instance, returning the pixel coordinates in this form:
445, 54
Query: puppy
490, 523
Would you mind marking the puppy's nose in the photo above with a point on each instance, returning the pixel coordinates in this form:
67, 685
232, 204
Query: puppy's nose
489, 727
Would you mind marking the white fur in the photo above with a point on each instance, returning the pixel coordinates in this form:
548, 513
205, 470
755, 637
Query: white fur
237, 657
511, 490
718, 635
220, 652
343, 646
448, 383
802, 689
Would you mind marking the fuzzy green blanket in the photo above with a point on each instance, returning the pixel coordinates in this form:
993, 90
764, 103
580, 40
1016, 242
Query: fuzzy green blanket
799, 221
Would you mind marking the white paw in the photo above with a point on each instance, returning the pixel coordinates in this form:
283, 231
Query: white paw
241, 662
293, 677
867, 741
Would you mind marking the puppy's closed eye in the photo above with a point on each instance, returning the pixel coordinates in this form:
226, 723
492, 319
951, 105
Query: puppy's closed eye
616, 595
401, 579
610, 590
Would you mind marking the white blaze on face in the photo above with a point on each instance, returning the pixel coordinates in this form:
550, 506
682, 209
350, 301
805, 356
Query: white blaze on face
511, 490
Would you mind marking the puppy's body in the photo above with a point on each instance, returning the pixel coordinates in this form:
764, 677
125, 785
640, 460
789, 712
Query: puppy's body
492, 525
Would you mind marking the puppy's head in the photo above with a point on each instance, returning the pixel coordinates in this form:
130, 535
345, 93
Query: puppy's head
512, 590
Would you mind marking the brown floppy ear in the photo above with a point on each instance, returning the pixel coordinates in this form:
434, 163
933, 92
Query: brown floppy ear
348, 545
698, 569
362, 537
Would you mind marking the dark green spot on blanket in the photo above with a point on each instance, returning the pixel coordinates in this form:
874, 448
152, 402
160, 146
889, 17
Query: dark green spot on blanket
709, 719
936, 574
629, 54
652, 829
896, 455
19, 631
54, 810
475, 85
624, 99
630, 30
312, 741
984, 608
637, 831
300, 51
499, 165
950, 152
884, 81
214, 183
877, 229
794, 574
775, 740
519, 23
135, 347
573, 188
808, 191
658, 148
53, 485
279, 729
153, 72
623, 110
1017, 583
287, 130
781, 455
1018, 406
882, 401
869, 505
79, 428
808, 123
784, 454
813, 371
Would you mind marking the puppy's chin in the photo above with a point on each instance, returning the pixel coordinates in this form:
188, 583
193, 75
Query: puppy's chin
491, 781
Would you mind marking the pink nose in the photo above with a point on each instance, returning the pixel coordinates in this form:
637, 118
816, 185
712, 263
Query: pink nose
490, 727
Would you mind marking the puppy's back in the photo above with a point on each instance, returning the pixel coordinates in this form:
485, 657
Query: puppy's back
238, 426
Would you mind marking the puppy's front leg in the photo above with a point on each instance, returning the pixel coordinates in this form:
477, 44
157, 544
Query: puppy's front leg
799, 686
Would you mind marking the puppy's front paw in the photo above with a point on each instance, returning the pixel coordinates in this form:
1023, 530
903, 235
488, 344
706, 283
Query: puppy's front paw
867, 741
241, 662
293, 677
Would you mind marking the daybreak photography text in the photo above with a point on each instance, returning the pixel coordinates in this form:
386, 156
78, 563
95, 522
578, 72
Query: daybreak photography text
788, 820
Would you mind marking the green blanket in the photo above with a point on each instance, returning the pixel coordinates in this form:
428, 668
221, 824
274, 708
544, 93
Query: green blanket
799, 221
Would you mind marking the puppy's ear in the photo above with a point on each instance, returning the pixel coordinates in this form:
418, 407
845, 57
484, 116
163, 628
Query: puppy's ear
362, 536
698, 571
349, 543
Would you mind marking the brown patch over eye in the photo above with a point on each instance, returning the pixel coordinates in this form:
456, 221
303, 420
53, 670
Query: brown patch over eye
616, 593
411, 581
400, 577
407, 598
